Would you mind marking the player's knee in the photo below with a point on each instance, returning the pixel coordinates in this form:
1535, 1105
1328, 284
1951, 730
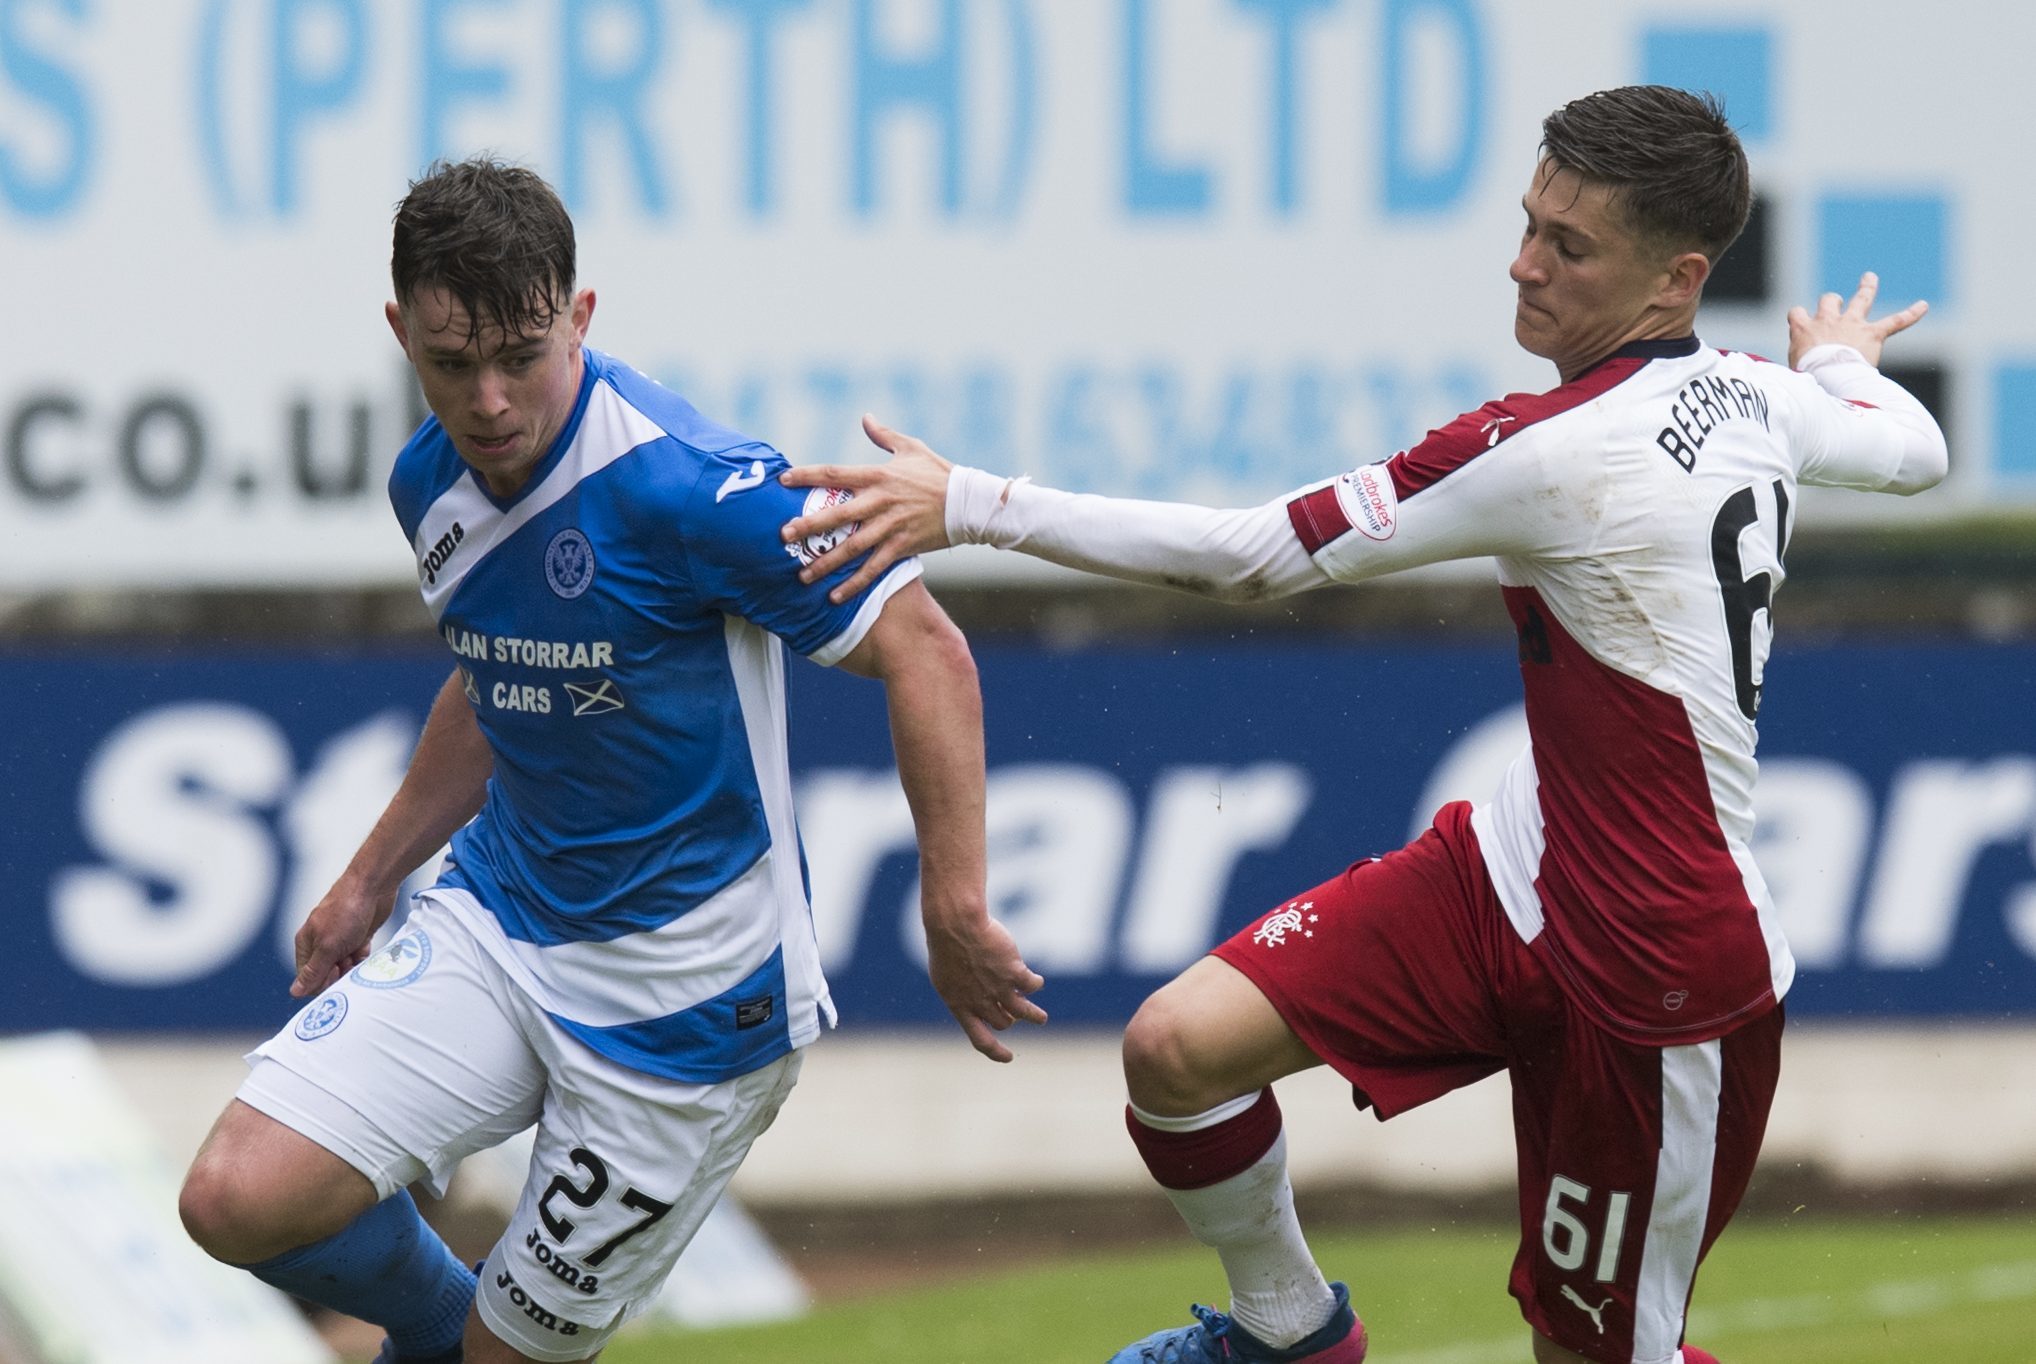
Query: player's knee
1162, 1068
237, 1213
220, 1214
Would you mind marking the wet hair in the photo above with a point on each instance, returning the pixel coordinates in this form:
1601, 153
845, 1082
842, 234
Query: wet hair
494, 236
1672, 162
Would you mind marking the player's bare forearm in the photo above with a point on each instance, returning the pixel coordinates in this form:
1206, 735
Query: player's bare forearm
899, 509
442, 789
937, 732
1837, 322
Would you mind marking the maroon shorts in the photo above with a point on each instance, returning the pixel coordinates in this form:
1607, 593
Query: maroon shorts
1405, 975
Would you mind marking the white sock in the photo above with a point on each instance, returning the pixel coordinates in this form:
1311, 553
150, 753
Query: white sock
1276, 1290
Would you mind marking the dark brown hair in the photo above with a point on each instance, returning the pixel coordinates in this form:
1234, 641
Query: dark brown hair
1673, 163
494, 236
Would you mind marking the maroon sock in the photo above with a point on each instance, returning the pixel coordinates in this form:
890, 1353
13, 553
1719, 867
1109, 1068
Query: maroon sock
1207, 1155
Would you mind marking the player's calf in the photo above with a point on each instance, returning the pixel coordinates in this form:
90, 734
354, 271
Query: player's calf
387, 1267
483, 1346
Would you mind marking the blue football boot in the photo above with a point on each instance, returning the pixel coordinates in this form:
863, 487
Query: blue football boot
1216, 1339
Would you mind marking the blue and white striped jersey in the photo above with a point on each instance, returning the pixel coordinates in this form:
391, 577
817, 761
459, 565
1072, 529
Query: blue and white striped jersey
617, 625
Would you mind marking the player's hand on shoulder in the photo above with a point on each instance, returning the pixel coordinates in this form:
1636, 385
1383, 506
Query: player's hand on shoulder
336, 936
975, 967
897, 509
1846, 324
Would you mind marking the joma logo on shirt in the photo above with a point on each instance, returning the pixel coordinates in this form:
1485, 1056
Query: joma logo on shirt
441, 552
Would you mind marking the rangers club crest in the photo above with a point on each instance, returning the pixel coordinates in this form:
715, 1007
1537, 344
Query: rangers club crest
1295, 918
569, 564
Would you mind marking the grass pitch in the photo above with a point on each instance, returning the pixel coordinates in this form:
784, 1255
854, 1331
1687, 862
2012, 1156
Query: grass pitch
1955, 1291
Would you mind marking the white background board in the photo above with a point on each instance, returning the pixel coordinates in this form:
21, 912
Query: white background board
1202, 249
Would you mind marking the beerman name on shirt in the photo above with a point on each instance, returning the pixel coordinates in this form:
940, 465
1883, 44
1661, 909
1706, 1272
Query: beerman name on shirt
1703, 405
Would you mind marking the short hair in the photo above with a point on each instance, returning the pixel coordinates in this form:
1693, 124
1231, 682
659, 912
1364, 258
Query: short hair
494, 236
1669, 157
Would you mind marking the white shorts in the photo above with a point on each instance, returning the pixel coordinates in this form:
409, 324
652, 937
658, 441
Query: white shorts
428, 1052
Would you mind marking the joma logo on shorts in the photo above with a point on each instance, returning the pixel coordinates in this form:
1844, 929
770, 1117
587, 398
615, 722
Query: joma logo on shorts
567, 1273
442, 551
543, 1316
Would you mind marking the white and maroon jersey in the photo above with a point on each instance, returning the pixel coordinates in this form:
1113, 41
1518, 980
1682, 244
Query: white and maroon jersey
1639, 515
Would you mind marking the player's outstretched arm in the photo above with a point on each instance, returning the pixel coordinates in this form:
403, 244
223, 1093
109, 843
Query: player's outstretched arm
936, 714
901, 508
920, 501
442, 790
1847, 324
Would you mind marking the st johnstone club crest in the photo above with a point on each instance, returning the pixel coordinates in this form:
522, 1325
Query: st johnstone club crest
321, 1016
569, 563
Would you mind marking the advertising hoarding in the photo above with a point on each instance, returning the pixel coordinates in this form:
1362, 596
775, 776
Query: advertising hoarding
1197, 249
172, 818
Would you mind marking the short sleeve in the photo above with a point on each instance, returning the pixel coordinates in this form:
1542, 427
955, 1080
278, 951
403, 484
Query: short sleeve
738, 562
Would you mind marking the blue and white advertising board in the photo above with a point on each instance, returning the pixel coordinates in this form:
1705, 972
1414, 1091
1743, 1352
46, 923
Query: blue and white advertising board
171, 818
1200, 249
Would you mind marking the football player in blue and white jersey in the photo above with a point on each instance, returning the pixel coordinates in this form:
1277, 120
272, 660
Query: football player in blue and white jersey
620, 949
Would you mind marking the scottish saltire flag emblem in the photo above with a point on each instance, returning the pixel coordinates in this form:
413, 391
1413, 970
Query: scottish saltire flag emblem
598, 699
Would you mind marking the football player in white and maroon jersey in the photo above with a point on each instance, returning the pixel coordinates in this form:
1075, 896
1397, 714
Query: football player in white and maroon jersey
1597, 928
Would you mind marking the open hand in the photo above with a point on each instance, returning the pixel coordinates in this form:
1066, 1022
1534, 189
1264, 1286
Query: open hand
1849, 326
900, 509
977, 971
